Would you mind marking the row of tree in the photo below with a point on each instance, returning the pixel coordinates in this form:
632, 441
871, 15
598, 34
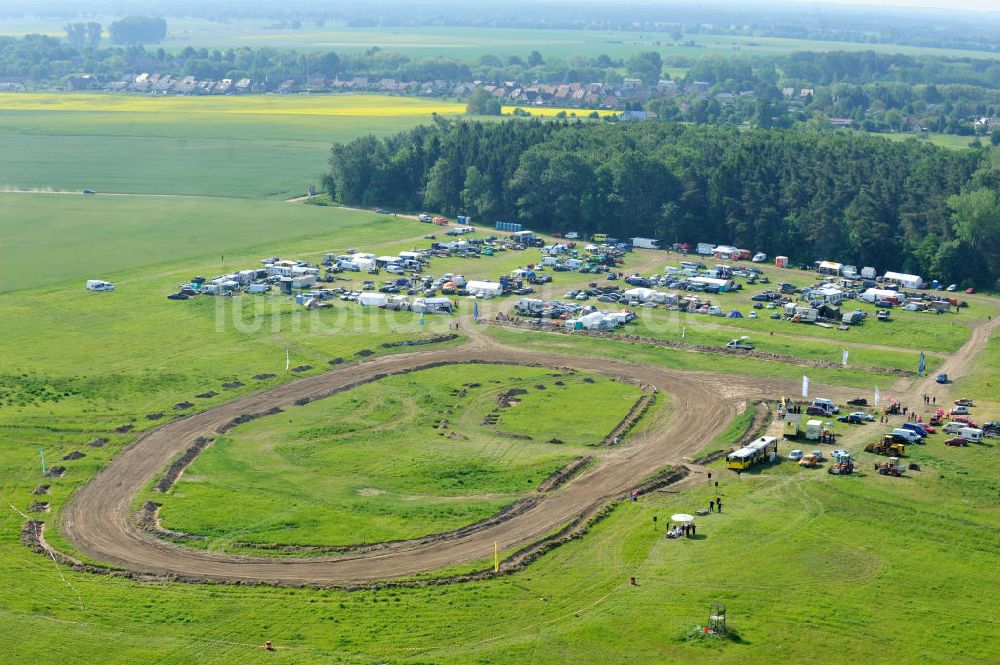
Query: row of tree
896, 205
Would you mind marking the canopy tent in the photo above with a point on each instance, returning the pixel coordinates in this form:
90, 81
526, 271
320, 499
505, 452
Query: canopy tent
683, 518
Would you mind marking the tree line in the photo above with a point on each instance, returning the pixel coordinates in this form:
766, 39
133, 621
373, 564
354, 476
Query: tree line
905, 206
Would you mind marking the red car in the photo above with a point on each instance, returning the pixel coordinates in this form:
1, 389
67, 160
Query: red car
935, 419
964, 419
957, 441
928, 428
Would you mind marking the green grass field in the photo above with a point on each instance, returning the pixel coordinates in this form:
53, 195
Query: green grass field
371, 464
258, 146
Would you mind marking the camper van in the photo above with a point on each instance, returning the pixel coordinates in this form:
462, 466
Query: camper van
826, 405
971, 433
99, 285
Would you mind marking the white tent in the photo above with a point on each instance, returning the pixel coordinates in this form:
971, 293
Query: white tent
489, 288
909, 281
373, 299
640, 294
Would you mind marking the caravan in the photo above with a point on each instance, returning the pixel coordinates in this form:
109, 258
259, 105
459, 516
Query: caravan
99, 285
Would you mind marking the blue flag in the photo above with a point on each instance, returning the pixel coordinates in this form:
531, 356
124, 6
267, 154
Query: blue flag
421, 318
923, 364
475, 311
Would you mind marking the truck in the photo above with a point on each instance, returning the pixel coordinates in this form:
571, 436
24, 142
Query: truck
646, 243
425, 218
741, 343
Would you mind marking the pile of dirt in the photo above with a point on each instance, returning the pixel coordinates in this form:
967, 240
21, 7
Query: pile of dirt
455, 436
206, 395
55, 472
148, 519
76, 454
302, 368
245, 418
180, 406
335, 361
560, 383
153, 416
38, 507
512, 435
634, 415
41, 489
364, 353
173, 471
233, 384
98, 442
419, 342
506, 399
263, 377
123, 429
587, 379
541, 386
565, 473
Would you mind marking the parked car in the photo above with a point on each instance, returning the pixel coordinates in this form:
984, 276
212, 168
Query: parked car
808, 460
964, 402
857, 401
795, 455
851, 419
957, 441
960, 410
838, 453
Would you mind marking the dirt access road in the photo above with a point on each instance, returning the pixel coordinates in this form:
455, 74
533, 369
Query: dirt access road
100, 522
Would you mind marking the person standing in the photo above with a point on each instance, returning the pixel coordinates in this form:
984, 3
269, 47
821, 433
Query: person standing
718, 504
711, 505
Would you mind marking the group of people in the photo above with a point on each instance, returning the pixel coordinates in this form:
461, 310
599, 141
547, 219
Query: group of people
687, 530
930, 400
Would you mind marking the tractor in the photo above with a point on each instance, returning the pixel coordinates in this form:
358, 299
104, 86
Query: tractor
891, 468
887, 446
843, 467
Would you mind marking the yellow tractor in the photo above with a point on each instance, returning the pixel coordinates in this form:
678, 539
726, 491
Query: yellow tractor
887, 446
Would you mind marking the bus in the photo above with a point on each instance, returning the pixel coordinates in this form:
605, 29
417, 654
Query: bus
755, 452
599, 237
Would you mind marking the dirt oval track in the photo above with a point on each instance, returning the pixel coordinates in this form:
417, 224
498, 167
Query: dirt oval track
100, 524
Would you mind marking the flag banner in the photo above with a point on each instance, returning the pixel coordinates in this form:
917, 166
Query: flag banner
878, 396
843, 358
288, 360
422, 318
475, 311
684, 332
922, 366
805, 386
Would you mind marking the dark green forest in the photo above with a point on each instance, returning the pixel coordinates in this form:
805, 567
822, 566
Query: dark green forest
863, 200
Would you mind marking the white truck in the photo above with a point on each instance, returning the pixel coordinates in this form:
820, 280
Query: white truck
646, 243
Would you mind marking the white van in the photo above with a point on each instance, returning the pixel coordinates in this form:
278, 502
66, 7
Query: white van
826, 404
954, 427
971, 433
907, 434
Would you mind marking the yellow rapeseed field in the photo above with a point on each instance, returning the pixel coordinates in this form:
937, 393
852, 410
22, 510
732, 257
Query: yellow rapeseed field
317, 105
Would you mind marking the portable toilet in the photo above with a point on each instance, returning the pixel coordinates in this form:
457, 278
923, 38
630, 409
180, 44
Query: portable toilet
781, 262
